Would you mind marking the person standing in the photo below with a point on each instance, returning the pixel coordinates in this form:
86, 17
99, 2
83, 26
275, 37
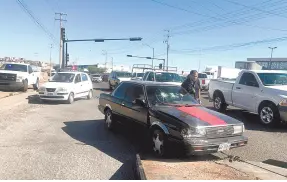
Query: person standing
192, 85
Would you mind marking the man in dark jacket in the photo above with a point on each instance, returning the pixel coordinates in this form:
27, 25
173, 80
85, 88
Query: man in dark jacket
192, 85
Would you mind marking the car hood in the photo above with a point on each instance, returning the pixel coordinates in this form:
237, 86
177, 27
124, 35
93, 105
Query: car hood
280, 90
194, 116
12, 72
57, 85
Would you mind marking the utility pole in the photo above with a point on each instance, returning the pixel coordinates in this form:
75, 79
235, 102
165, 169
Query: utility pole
272, 48
51, 59
61, 55
167, 48
112, 64
106, 57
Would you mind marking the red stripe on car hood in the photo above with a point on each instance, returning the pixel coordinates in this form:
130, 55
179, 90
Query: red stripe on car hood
202, 115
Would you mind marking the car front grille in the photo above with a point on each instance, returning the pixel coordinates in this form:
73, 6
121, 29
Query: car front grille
219, 131
50, 89
8, 77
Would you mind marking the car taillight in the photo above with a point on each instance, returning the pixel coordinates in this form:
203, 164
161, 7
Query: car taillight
203, 81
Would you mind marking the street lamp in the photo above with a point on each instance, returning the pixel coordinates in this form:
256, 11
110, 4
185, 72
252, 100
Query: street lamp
147, 58
272, 48
152, 53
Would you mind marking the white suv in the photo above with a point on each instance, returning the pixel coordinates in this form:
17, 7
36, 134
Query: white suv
66, 86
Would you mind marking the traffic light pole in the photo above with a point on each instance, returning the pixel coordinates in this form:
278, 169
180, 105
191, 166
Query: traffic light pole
66, 57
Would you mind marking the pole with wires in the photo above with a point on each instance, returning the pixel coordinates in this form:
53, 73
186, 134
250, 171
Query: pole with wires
51, 59
62, 38
165, 67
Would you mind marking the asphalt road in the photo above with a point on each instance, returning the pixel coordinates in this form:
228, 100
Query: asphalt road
265, 144
62, 141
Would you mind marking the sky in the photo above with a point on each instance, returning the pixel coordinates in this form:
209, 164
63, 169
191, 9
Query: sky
202, 32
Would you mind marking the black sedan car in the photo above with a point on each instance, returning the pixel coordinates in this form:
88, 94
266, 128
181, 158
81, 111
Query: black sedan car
171, 116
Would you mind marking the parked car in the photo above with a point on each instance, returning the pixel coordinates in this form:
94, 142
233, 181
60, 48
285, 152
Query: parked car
137, 76
66, 86
117, 77
18, 76
96, 78
204, 81
163, 77
171, 117
259, 91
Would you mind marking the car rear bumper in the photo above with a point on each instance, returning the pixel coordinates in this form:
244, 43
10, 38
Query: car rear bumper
11, 85
201, 146
283, 112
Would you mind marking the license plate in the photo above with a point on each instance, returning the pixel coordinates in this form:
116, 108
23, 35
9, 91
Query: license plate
50, 94
224, 146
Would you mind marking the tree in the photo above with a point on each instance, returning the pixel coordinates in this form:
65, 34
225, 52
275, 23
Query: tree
95, 69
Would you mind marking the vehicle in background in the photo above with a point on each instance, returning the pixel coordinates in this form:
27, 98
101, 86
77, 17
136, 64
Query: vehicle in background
210, 75
96, 78
172, 118
258, 91
117, 77
137, 76
204, 81
163, 77
18, 76
183, 78
66, 86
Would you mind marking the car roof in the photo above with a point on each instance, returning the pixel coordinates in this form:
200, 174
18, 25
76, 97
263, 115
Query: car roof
17, 63
149, 83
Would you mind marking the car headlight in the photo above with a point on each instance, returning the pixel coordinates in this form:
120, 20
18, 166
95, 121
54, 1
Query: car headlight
283, 103
62, 89
20, 78
42, 89
193, 132
238, 129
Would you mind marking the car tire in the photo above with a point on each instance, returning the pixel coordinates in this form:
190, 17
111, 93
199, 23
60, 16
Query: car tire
158, 139
90, 95
269, 114
25, 86
219, 103
71, 98
36, 85
110, 124
110, 86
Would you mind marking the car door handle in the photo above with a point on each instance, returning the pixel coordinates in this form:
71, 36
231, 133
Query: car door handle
238, 88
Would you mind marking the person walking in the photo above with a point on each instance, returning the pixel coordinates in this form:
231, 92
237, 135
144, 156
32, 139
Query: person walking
192, 85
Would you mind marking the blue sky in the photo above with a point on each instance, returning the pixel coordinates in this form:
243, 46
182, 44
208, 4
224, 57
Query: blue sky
194, 24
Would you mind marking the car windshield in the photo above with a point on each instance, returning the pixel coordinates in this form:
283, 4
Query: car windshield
167, 77
270, 79
169, 95
123, 74
200, 75
63, 77
14, 67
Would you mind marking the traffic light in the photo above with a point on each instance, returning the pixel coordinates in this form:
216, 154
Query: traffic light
160, 66
67, 59
63, 34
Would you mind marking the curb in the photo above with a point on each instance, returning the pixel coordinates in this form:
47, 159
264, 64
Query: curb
140, 174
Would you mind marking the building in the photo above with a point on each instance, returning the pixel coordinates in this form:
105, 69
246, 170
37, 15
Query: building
274, 64
248, 65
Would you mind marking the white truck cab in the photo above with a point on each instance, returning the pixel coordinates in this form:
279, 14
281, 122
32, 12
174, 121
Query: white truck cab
263, 92
162, 76
18, 76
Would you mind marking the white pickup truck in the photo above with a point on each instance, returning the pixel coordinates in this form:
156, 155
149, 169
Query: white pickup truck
18, 76
263, 92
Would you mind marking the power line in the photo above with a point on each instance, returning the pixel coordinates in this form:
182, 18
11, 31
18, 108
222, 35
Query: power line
35, 20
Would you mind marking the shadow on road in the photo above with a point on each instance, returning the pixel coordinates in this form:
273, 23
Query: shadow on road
114, 144
252, 122
35, 99
276, 163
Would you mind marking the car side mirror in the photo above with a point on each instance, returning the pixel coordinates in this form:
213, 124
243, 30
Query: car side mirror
139, 102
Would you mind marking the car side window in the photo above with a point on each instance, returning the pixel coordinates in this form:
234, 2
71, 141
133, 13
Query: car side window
120, 91
78, 78
150, 77
30, 70
248, 79
84, 77
145, 75
134, 92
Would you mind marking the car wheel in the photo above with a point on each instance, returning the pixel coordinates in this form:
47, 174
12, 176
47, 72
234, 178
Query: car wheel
158, 143
90, 95
269, 114
36, 85
110, 86
71, 98
219, 103
109, 119
25, 86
